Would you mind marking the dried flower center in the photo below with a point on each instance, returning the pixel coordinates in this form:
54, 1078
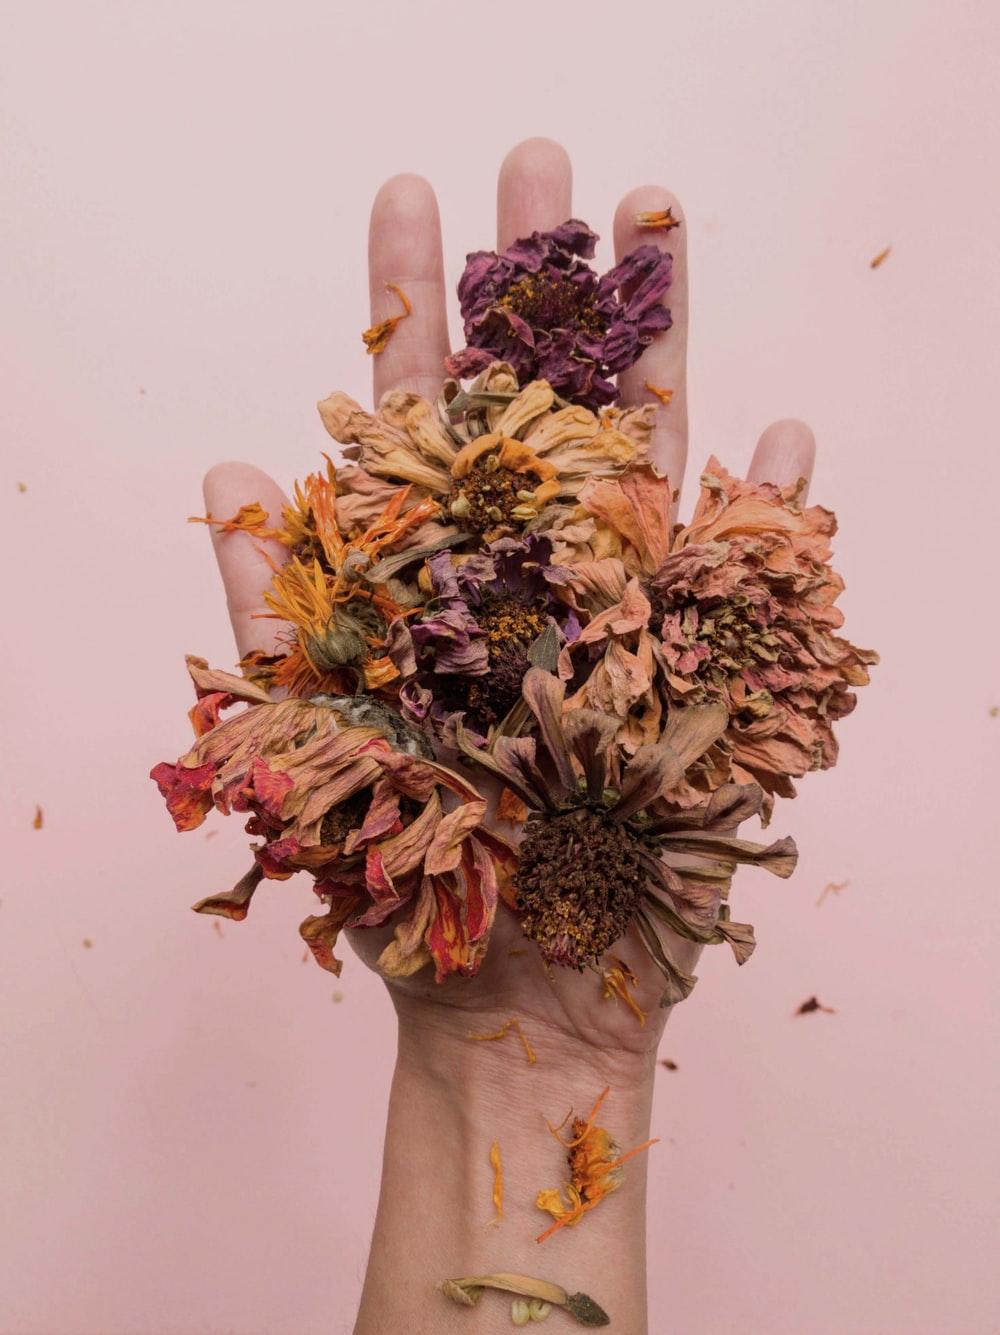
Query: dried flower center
736, 633
343, 642
551, 301
511, 628
491, 494
346, 816
578, 883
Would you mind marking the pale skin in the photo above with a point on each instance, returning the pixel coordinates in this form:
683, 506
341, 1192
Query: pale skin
451, 1096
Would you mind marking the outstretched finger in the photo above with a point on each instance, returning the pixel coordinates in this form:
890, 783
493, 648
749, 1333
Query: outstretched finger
664, 363
785, 453
243, 559
534, 190
404, 250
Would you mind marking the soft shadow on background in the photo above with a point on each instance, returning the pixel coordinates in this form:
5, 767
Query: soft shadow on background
191, 1122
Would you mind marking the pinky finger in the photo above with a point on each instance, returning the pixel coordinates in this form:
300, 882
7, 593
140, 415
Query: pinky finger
243, 560
785, 453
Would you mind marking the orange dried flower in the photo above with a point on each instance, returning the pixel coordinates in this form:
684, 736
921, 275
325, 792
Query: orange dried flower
595, 1164
514, 454
378, 336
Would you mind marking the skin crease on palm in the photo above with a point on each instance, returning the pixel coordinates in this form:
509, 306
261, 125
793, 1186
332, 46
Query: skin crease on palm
534, 193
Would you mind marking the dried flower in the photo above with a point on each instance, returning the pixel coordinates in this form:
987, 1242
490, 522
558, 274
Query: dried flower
513, 453
335, 790
543, 309
376, 339
472, 643
595, 1164
600, 850
736, 606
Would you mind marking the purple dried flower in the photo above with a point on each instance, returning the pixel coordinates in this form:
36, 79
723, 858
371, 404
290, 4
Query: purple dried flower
543, 309
472, 641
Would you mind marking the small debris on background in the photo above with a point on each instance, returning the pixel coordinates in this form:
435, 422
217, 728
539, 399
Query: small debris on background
831, 888
217, 927
210, 834
995, 711
377, 338
668, 1065
814, 1004
512, 1023
305, 956
141, 390
660, 220
87, 943
881, 257
338, 997
664, 395
22, 486
39, 820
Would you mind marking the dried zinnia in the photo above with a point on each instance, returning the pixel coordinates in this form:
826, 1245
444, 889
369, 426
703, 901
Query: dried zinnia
540, 307
469, 647
328, 591
495, 457
339, 787
601, 853
737, 606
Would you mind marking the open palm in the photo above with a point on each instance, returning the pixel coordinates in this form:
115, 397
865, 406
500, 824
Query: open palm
533, 194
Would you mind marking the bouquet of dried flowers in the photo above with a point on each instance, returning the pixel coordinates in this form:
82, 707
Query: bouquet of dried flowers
489, 622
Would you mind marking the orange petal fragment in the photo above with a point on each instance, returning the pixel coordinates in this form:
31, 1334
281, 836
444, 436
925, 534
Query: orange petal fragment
39, 820
617, 981
664, 395
252, 518
661, 220
881, 257
503, 1031
377, 338
511, 808
497, 1166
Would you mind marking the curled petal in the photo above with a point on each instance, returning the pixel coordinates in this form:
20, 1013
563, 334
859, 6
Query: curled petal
235, 903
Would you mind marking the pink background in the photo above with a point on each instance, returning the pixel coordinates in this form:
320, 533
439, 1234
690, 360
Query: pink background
190, 1126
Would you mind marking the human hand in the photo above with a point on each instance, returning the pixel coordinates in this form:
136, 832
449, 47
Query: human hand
534, 193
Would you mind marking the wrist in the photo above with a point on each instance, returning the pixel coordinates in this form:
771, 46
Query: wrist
515, 1063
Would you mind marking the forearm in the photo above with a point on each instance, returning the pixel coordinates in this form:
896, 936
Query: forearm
451, 1098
